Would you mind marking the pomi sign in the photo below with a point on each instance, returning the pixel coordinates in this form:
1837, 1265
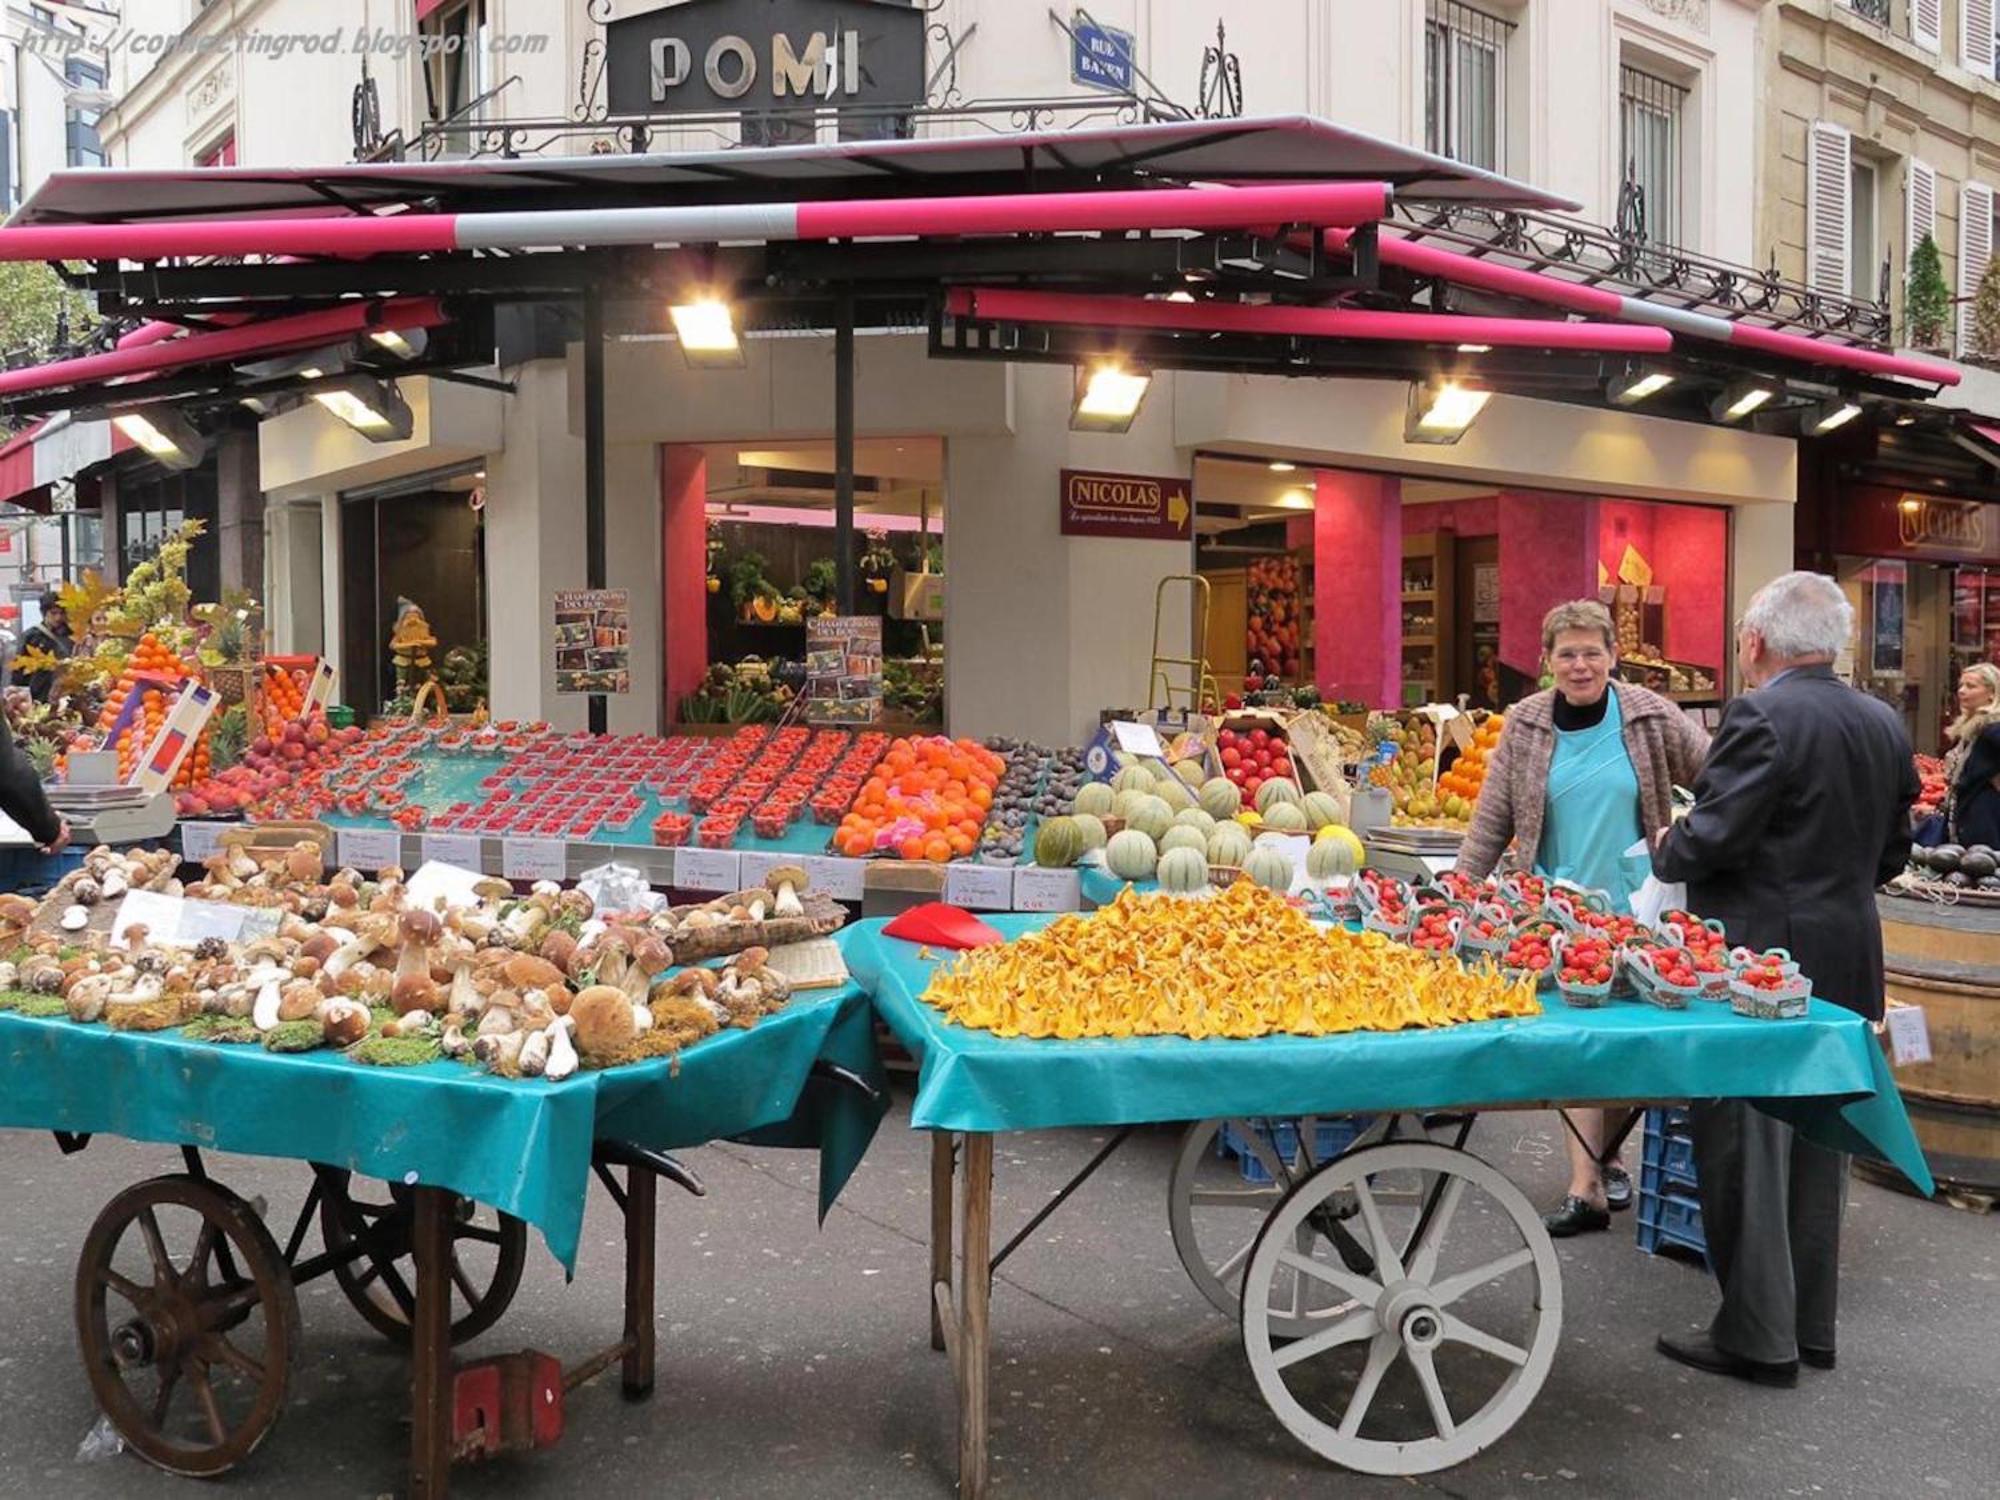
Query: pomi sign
764, 54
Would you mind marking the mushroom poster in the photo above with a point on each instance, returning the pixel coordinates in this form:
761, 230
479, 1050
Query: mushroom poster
593, 641
843, 669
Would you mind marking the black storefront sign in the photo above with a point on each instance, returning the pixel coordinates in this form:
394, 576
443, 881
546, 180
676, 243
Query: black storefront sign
714, 56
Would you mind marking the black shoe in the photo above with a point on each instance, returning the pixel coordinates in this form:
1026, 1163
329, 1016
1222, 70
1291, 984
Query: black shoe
1576, 1216
1698, 1351
1617, 1188
1819, 1359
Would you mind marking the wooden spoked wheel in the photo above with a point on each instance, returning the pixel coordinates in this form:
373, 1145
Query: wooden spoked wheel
188, 1323
1435, 1338
488, 1251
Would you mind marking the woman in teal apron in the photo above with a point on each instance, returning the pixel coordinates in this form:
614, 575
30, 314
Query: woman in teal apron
1584, 772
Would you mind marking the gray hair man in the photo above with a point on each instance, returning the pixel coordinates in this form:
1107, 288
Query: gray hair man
1801, 811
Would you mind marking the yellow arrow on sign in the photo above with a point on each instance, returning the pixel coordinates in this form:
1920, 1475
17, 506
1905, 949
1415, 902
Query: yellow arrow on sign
1177, 512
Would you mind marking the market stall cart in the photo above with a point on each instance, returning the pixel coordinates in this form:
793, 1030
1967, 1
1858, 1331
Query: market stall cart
177, 1266
1412, 1252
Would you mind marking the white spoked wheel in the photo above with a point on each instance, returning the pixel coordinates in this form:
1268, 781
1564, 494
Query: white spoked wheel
1214, 1215
1443, 1304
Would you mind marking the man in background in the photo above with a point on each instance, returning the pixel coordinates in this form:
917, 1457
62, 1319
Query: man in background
50, 634
1801, 811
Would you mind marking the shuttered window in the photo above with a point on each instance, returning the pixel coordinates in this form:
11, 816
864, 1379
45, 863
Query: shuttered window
1975, 249
1829, 213
1975, 36
1919, 207
1927, 23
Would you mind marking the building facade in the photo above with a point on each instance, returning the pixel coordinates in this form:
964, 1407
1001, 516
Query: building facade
1669, 88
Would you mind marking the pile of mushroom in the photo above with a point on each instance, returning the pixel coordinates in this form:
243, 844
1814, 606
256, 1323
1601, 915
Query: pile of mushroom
529, 985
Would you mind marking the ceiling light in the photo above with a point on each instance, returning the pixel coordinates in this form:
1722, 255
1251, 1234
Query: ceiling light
373, 408
1295, 500
1909, 505
1180, 296
707, 331
305, 364
1279, 466
402, 345
1475, 348
1635, 386
1441, 410
163, 434
1108, 397
1906, 419
1738, 399
1829, 415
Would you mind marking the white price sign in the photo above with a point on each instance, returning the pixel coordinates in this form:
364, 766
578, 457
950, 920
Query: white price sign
461, 849
199, 840
371, 849
979, 887
839, 878
754, 865
707, 869
1909, 1035
534, 859
1036, 889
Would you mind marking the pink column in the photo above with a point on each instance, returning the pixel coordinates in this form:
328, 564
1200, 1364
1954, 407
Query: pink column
1548, 555
683, 571
1357, 586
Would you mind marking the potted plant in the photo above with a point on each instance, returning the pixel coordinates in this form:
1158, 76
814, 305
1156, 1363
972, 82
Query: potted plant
1926, 298
877, 561
754, 596
1986, 315
821, 584
717, 551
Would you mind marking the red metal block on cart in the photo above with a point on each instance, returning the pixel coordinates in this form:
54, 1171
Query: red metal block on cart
512, 1403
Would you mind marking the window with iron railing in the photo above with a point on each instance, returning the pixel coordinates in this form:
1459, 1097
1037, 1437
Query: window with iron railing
1872, 10
1465, 83
1651, 150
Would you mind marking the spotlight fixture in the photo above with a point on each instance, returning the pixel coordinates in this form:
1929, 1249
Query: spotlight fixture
1827, 416
1279, 466
163, 434
373, 408
404, 345
1107, 397
1635, 386
707, 330
1738, 399
1441, 410
1475, 348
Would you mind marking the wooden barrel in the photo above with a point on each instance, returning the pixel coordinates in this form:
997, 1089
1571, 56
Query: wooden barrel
1947, 960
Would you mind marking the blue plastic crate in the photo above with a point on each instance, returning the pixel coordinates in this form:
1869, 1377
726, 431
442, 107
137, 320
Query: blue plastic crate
1668, 1145
29, 872
1333, 1135
1670, 1219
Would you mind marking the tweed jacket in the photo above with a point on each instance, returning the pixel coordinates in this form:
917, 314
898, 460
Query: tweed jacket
1666, 747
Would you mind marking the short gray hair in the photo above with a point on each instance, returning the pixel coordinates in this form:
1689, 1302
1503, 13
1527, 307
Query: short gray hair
1579, 614
1801, 614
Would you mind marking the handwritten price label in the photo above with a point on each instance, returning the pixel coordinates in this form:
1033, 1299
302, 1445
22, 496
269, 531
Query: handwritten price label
371, 849
534, 859
708, 869
1036, 889
199, 840
461, 849
839, 878
980, 887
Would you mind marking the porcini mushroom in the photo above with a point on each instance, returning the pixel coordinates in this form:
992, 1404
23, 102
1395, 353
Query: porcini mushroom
602, 1019
562, 1058
784, 883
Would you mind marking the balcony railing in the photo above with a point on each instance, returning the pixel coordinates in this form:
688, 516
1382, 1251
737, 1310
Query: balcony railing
1870, 10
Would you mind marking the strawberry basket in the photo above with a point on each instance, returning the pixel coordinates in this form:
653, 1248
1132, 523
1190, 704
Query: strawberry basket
1584, 968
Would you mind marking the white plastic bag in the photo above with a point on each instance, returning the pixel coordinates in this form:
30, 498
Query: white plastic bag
1654, 897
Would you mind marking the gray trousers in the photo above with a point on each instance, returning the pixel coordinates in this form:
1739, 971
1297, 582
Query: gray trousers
1770, 1210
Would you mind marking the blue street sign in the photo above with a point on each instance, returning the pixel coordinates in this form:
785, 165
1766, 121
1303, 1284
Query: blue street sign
1100, 57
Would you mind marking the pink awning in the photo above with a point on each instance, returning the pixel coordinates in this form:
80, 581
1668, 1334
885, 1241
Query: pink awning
247, 340
1006, 306
17, 467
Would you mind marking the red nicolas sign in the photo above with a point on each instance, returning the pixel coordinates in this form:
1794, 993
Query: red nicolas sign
1878, 522
1138, 507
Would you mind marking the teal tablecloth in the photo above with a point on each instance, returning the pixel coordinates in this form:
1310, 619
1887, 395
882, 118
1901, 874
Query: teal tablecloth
1824, 1073
521, 1145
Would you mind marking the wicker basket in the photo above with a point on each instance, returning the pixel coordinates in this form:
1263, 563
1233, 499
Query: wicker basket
234, 682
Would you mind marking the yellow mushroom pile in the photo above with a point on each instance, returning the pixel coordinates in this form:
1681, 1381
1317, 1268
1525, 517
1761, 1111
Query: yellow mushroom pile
1244, 964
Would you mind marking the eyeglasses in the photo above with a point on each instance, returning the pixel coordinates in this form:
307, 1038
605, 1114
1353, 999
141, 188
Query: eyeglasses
1585, 656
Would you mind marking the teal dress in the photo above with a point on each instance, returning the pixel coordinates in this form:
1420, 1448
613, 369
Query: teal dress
1593, 810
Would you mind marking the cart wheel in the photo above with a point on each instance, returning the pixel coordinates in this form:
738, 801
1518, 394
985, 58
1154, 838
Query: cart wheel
188, 1323
488, 1251
1441, 1236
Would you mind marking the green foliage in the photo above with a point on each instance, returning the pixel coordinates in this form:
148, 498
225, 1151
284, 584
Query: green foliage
747, 581
33, 301
1926, 297
1986, 314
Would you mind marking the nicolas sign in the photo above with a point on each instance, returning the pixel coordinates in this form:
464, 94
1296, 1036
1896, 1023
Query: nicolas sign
718, 55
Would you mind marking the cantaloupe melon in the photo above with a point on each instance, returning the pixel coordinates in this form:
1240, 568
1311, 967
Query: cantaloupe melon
1221, 798
1269, 868
1093, 797
1131, 855
1183, 871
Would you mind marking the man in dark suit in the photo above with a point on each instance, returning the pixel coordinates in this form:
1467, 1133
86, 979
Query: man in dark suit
1801, 811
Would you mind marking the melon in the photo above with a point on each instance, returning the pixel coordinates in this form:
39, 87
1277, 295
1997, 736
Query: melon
1092, 828
1220, 797
1093, 797
1150, 816
1330, 859
1133, 779
1131, 855
1123, 802
1059, 843
1269, 868
1286, 817
1347, 836
1183, 871
1194, 817
1229, 844
1277, 789
1322, 810
1189, 771
1175, 795
1180, 836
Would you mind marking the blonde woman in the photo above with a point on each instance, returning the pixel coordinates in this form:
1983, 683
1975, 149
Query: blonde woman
1972, 765
1583, 772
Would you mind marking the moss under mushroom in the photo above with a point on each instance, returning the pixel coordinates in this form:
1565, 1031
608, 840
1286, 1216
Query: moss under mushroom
294, 1036
395, 1051
40, 1007
221, 1029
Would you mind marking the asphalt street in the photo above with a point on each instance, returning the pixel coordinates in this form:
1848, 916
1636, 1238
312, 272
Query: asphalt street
794, 1359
